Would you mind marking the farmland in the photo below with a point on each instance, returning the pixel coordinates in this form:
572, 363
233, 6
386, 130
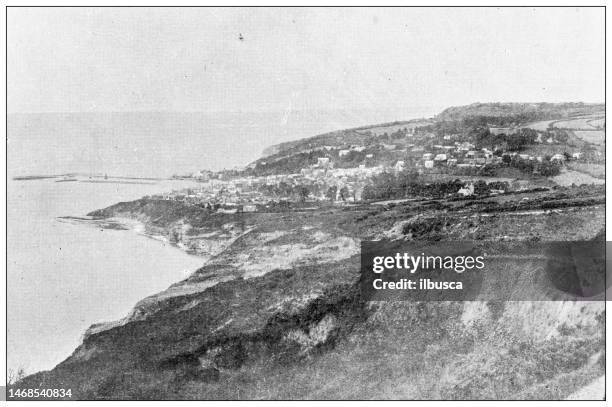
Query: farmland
540, 126
569, 177
595, 170
594, 136
583, 123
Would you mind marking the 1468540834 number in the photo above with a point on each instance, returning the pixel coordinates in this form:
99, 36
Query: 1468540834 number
39, 393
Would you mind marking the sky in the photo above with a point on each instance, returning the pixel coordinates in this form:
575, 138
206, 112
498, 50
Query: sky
299, 59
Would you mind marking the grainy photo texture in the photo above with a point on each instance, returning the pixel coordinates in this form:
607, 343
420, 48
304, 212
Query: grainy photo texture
239, 203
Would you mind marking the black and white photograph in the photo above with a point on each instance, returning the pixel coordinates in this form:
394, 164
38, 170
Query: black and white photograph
305, 203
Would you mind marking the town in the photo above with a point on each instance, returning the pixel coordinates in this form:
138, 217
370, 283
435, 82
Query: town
368, 165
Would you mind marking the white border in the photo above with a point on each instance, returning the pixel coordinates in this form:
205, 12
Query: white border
285, 3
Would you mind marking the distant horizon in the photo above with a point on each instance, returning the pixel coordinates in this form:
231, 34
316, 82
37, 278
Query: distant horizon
168, 143
295, 110
265, 123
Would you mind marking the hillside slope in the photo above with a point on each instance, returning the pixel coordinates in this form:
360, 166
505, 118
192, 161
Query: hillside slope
276, 314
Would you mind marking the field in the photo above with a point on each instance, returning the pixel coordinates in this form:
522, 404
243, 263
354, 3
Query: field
583, 123
569, 177
594, 170
391, 128
540, 126
597, 123
593, 136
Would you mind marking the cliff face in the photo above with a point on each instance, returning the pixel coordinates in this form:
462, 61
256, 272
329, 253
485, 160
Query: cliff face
275, 313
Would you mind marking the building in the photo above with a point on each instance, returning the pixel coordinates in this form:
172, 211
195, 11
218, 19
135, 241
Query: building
249, 208
467, 190
440, 157
399, 166
323, 162
557, 158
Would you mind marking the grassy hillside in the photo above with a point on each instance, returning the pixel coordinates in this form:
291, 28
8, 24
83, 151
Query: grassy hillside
276, 313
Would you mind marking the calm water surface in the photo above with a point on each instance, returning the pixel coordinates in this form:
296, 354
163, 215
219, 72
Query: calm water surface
63, 277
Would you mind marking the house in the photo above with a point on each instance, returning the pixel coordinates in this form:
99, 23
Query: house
229, 211
249, 208
428, 164
487, 153
451, 162
427, 156
342, 153
577, 156
323, 162
557, 158
305, 172
399, 166
369, 155
440, 157
465, 146
467, 190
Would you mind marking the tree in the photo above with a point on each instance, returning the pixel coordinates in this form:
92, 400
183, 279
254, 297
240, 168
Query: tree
344, 193
302, 192
549, 169
331, 193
